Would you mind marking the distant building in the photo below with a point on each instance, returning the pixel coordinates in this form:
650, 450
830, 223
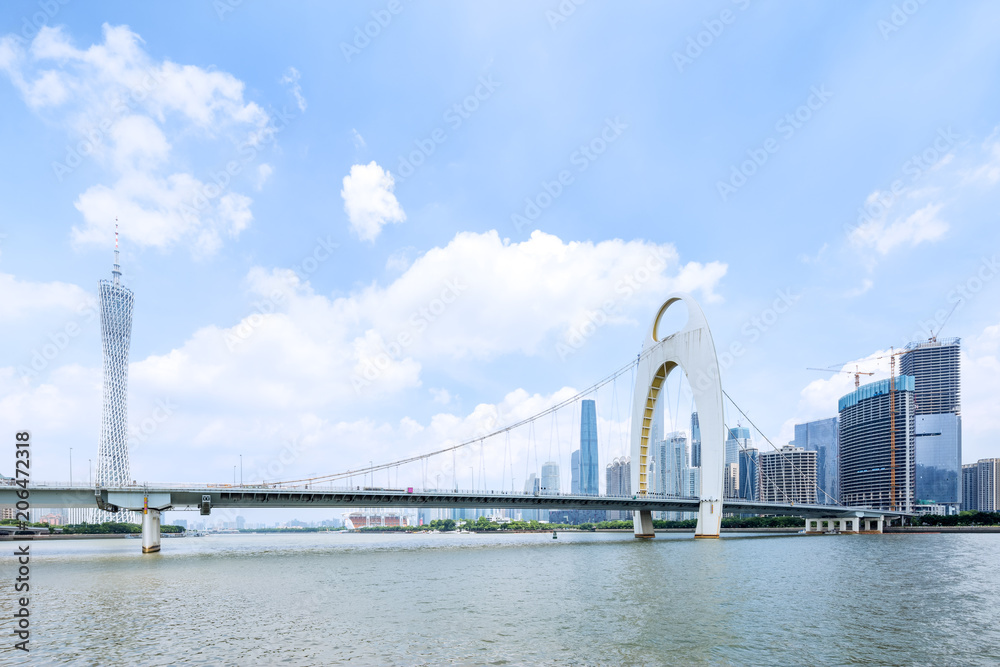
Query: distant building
574, 465
619, 484
731, 480
821, 436
356, 520
532, 487
970, 487
737, 439
241, 523
749, 473
871, 474
550, 479
52, 519
695, 441
788, 476
589, 478
935, 366
674, 462
181, 522
989, 485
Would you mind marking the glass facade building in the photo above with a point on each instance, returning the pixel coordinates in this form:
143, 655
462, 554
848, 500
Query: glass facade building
695, 441
749, 474
939, 459
821, 436
935, 366
871, 474
589, 474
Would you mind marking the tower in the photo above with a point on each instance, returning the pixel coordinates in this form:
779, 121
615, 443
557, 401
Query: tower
116, 333
589, 480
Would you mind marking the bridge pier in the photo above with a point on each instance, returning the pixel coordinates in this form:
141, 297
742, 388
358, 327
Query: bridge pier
642, 524
150, 530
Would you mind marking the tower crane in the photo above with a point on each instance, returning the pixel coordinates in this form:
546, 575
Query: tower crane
856, 373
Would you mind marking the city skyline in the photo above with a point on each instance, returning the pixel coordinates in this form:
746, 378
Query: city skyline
288, 317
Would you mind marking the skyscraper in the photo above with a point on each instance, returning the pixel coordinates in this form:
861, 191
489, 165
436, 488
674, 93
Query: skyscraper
673, 463
749, 473
589, 475
619, 484
574, 465
935, 367
550, 479
871, 474
821, 436
989, 485
737, 439
695, 441
970, 487
116, 333
788, 476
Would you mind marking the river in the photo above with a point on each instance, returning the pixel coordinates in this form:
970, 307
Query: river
523, 599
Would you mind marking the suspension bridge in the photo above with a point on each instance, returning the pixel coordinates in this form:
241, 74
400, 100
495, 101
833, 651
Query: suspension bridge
690, 349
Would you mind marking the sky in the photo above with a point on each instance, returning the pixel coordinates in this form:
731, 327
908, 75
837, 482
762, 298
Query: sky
358, 232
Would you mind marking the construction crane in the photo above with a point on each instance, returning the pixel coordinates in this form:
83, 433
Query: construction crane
856, 373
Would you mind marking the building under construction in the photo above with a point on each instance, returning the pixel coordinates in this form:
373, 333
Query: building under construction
877, 450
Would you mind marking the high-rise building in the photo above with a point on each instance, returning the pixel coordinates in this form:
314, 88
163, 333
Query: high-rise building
532, 487
695, 441
589, 478
673, 463
821, 436
738, 438
731, 480
619, 484
550, 479
749, 474
574, 470
788, 476
871, 474
989, 485
935, 366
113, 468
970, 487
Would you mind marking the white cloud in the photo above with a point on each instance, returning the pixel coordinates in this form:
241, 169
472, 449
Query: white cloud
359, 141
369, 201
21, 299
866, 285
291, 78
122, 108
921, 226
264, 172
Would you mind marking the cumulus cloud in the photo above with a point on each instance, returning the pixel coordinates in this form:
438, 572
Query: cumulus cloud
20, 299
123, 108
369, 201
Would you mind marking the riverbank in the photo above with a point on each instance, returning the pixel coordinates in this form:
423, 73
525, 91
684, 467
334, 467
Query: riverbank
942, 529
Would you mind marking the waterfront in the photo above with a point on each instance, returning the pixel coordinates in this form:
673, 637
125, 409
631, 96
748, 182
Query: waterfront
318, 599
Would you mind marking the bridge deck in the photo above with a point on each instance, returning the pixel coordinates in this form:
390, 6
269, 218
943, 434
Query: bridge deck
182, 497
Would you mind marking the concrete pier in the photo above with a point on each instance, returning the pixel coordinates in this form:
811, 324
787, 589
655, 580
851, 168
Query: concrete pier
150, 531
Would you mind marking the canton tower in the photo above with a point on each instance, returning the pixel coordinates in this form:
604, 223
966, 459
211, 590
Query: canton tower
116, 332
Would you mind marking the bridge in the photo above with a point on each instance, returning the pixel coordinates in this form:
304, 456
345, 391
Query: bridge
690, 349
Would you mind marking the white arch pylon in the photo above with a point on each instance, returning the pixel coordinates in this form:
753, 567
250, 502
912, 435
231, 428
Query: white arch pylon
693, 350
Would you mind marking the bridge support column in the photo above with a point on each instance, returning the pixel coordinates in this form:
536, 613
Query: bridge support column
150, 531
642, 524
709, 519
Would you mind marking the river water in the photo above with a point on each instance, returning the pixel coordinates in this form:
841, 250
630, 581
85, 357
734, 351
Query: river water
583, 599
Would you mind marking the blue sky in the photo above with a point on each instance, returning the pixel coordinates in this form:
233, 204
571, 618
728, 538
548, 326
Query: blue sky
724, 149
